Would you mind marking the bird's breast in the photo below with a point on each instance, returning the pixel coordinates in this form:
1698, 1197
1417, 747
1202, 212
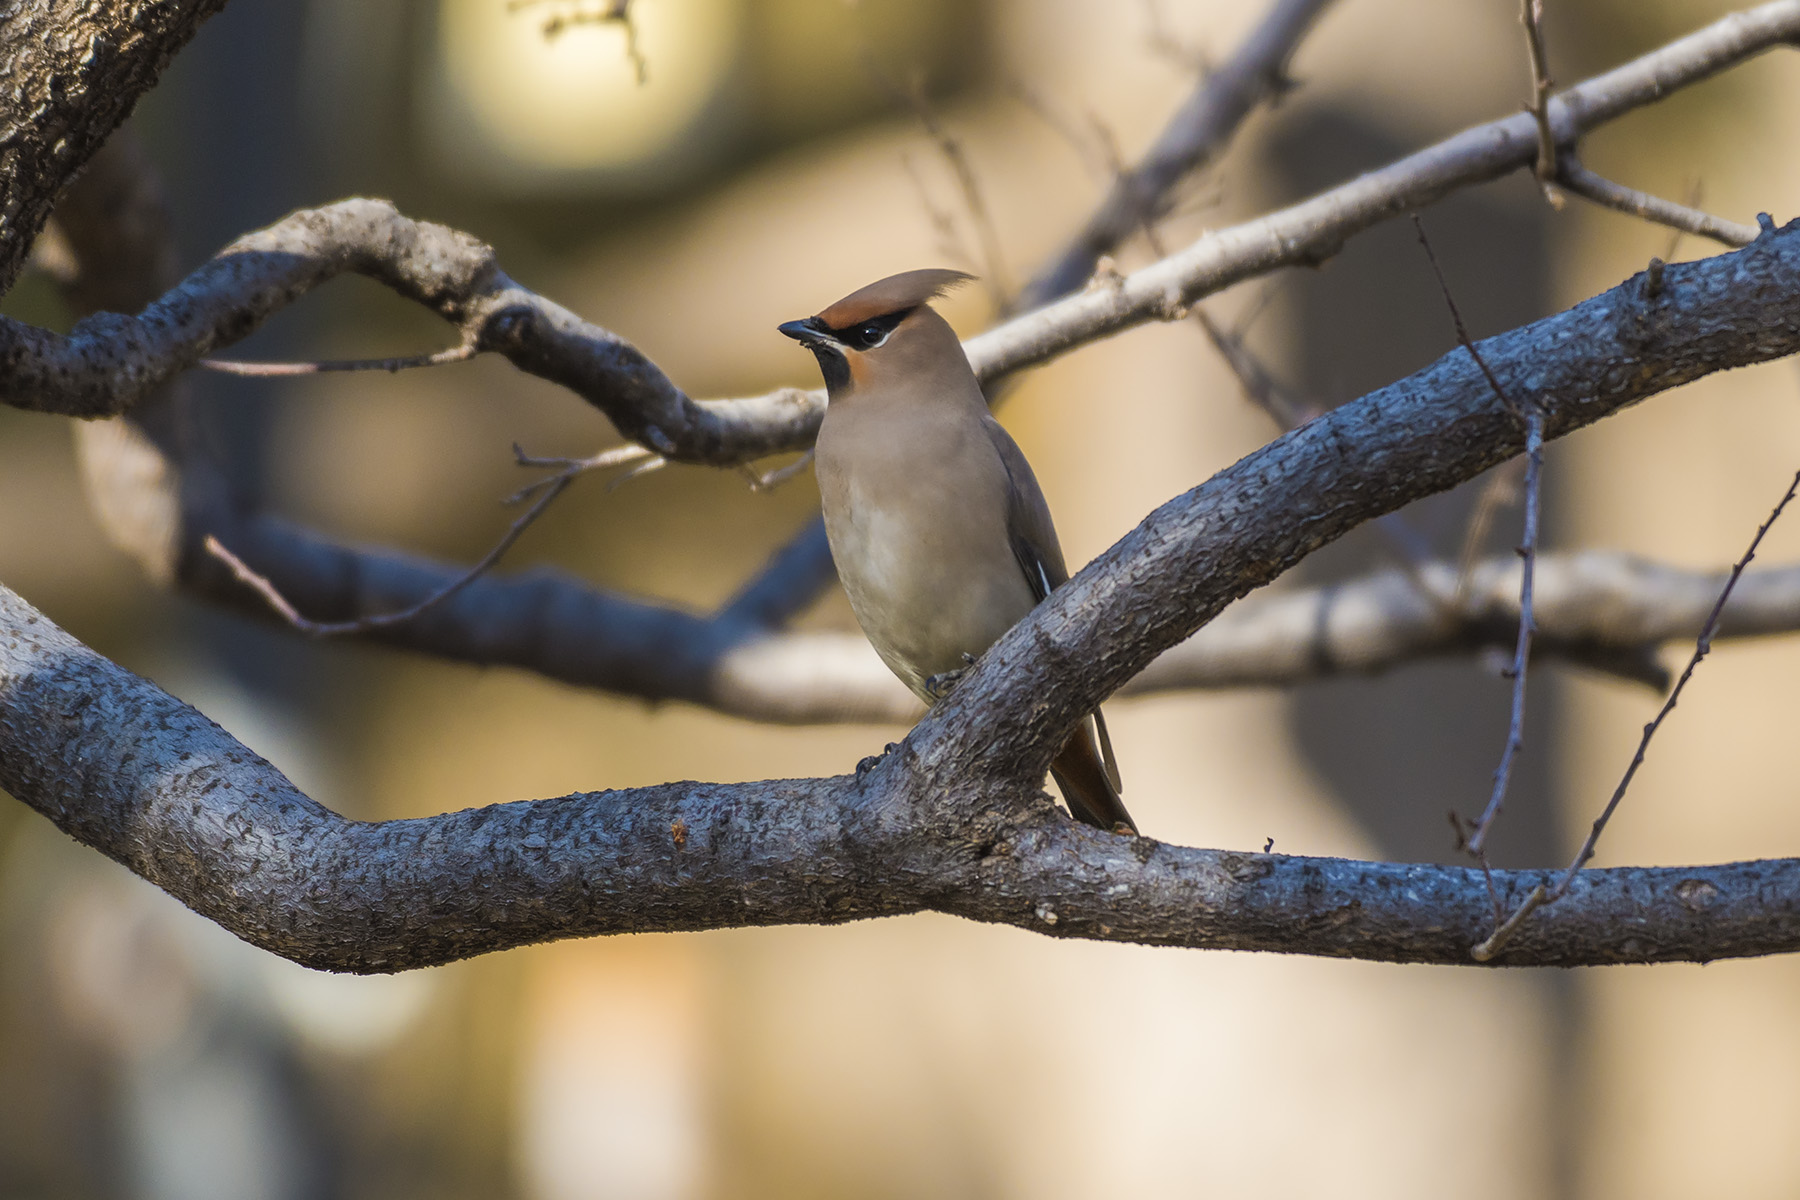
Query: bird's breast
923, 553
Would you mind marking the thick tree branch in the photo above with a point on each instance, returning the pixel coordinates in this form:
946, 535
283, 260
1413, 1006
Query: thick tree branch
1190, 558
73, 72
947, 821
128, 770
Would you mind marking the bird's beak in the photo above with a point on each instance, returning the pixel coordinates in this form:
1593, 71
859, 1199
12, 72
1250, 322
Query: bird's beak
808, 332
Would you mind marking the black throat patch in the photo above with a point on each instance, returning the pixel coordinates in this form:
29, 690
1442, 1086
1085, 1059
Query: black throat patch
834, 367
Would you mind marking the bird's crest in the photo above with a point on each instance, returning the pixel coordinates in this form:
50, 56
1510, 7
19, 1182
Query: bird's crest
896, 293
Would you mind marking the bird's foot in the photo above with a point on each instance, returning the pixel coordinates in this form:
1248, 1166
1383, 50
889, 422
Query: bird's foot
944, 682
868, 764
940, 685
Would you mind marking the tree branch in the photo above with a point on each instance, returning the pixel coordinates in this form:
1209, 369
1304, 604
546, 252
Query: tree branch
110, 361
949, 821
1190, 558
1608, 612
1197, 134
74, 71
124, 768
1575, 177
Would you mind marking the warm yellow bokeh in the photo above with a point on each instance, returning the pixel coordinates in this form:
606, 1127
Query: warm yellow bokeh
574, 100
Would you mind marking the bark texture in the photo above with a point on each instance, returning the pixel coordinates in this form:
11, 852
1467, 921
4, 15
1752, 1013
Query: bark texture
73, 71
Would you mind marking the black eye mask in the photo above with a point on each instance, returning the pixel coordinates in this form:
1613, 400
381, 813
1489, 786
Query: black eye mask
865, 335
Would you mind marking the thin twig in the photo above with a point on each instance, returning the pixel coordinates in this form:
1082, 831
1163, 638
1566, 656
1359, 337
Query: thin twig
1462, 331
1255, 380
995, 276
764, 481
618, 456
1515, 731
547, 490
949, 237
283, 608
1093, 158
1531, 414
1531, 16
655, 462
437, 358
1485, 951
1702, 646
1682, 218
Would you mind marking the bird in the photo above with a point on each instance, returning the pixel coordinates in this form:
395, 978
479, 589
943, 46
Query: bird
939, 530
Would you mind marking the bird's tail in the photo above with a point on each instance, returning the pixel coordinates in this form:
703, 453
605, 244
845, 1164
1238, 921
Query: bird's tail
1089, 779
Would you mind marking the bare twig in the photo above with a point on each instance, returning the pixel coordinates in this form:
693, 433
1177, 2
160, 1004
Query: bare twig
1702, 647
1532, 415
995, 276
655, 462
1254, 75
1531, 15
436, 358
1074, 134
1486, 950
369, 624
546, 491
609, 12
1695, 194
943, 222
1462, 331
1574, 176
764, 481
568, 468
1528, 548
1255, 380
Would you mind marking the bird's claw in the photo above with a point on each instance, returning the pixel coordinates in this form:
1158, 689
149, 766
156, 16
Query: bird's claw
940, 685
868, 764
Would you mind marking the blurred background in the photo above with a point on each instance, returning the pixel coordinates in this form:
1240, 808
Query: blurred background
763, 165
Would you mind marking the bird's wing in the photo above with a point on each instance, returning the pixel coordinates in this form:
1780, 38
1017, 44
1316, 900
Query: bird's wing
1035, 545
1028, 523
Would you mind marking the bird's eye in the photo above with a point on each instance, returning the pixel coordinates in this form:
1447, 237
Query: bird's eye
869, 334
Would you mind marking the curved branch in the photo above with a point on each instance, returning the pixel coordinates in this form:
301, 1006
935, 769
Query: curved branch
124, 768
109, 362
1604, 611
1424, 434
